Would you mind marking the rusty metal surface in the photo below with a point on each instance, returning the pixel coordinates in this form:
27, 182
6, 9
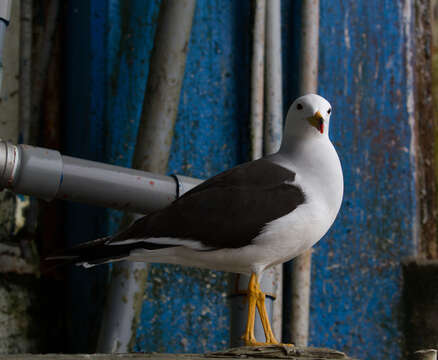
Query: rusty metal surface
426, 130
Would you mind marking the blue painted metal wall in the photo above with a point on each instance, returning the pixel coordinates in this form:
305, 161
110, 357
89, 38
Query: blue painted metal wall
363, 60
356, 297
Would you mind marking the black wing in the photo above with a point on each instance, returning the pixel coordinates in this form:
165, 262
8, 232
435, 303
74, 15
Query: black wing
227, 210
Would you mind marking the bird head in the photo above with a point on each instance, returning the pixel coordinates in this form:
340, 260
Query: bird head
309, 115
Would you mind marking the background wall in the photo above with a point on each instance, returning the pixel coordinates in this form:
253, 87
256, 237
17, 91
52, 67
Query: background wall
366, 72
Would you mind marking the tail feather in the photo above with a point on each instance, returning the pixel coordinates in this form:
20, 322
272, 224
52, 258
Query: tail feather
97, 252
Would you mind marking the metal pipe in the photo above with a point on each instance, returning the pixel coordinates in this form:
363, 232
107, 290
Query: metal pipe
274, 131
257, 80
301, 266
152, 151
48, 175
239, 284
161, 101
274, 78
309, 47
5, 16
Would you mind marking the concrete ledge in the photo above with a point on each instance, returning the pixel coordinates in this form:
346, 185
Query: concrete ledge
265, 352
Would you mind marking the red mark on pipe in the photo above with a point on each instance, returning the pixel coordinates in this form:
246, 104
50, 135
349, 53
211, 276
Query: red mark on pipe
152, 183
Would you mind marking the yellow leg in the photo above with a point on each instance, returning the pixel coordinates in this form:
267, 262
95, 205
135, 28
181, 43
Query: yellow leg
249, 336
261, 307
257, 298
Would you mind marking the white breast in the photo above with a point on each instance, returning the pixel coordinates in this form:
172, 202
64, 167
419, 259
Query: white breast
319, 174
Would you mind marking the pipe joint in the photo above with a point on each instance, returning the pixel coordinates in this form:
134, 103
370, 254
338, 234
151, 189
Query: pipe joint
9, 159
30, 170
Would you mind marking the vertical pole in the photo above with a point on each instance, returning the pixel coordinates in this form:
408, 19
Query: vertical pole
274, 130
301, 266
274, 78
239, 311
167, 64
257, 80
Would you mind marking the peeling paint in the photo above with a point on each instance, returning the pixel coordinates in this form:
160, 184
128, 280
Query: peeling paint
22, 204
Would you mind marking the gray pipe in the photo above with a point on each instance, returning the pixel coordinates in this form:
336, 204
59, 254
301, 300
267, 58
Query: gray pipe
274, 131
160, 107
257, 79
271, 282
308, 83
239, 284
309, 51
46, 174
161, 101
274, 78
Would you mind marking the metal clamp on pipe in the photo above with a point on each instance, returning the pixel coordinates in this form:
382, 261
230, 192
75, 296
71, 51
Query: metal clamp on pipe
30, 170
8, 163
46, 174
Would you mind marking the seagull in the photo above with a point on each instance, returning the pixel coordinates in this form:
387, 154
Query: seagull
246, 219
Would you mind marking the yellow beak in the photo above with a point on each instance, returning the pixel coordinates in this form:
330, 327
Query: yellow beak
317, 121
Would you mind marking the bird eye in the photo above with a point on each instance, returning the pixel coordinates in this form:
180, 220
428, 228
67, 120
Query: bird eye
329, 111
299, 107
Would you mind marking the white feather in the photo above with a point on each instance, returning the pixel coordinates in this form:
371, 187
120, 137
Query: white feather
192, 244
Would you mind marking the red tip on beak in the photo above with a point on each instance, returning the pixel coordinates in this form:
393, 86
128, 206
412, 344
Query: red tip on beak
317, 121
